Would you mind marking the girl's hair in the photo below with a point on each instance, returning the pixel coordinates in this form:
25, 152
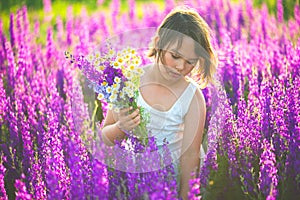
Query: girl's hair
184, 21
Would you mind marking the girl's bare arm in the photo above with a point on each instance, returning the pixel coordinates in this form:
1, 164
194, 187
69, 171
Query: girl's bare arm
116, 123
192, 139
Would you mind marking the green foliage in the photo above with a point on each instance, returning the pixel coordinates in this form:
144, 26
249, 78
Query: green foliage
219, 179
288, 6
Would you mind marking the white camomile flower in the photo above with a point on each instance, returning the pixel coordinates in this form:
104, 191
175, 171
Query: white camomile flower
111, 53
122, 94
108, 89
117, 80
100, 96
117, 110
96, 62
130, 93
116, 86
114, 91
140, 71
120, 60
132, 67
90, 58
100, 68
110, 106
113, 98
128, 75
116, 64
97, 54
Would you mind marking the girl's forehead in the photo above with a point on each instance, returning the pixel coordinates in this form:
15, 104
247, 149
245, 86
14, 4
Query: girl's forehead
185, 46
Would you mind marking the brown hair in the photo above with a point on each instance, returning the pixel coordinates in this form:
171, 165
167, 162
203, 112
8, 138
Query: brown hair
184, 21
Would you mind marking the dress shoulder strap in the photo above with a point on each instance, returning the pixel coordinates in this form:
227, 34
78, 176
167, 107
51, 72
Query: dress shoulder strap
189, 93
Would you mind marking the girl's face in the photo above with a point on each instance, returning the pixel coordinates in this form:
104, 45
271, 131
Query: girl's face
179, 62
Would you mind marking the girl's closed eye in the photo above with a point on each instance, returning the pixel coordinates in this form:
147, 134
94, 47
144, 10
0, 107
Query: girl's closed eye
192, 62
175, 56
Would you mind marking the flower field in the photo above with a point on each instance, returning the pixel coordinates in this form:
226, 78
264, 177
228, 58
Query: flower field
50, 121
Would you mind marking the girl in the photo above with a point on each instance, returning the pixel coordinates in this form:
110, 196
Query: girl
176, 105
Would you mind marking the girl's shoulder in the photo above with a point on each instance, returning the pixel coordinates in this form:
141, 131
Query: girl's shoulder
146, 67
198, 95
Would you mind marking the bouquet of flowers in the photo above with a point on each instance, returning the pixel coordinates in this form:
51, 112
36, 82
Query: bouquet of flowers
115, 76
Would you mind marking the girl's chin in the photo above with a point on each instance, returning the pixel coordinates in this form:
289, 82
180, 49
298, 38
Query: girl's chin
174, 75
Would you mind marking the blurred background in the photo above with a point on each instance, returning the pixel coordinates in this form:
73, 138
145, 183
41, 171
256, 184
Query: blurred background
36, 6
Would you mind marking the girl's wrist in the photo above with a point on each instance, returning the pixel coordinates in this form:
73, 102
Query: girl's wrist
119, 126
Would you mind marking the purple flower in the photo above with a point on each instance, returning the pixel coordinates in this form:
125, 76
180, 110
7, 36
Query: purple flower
2, 175
279, 11
12, 30
268, 177
21, 190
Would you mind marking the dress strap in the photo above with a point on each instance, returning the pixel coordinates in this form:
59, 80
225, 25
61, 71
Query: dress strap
187, 97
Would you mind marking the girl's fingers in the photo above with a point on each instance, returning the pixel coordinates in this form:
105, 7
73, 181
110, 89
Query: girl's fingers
136, 120
124, 111
128, 121
134, 114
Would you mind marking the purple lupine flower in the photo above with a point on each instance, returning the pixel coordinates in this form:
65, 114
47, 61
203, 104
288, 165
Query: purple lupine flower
47, 6
69, 25
50, 49
3, 194
218, 26
278, 109
132, 8
22, 64
79, 109
19, 28
103, 25
12, 30
3, 103
99, 180
265, 105
279, 11
83, 32
268, 176
194, 193
36, 28
11, 66
37, 180
228, 17
216, 125
115, 11
263, 22
12, 123
169, 5
60, 29
30, 162
28, 154
56, 172
247, 154
151, 19
2, 52
21, 190
241, 23
297, 13
79, 160
26, 32
292, 162
249, 9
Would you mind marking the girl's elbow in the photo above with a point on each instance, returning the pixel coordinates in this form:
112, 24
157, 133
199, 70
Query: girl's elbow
105, 139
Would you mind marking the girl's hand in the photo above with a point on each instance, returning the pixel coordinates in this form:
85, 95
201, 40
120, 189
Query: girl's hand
127, 121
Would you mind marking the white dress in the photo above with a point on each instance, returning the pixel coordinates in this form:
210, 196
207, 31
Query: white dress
169, 125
